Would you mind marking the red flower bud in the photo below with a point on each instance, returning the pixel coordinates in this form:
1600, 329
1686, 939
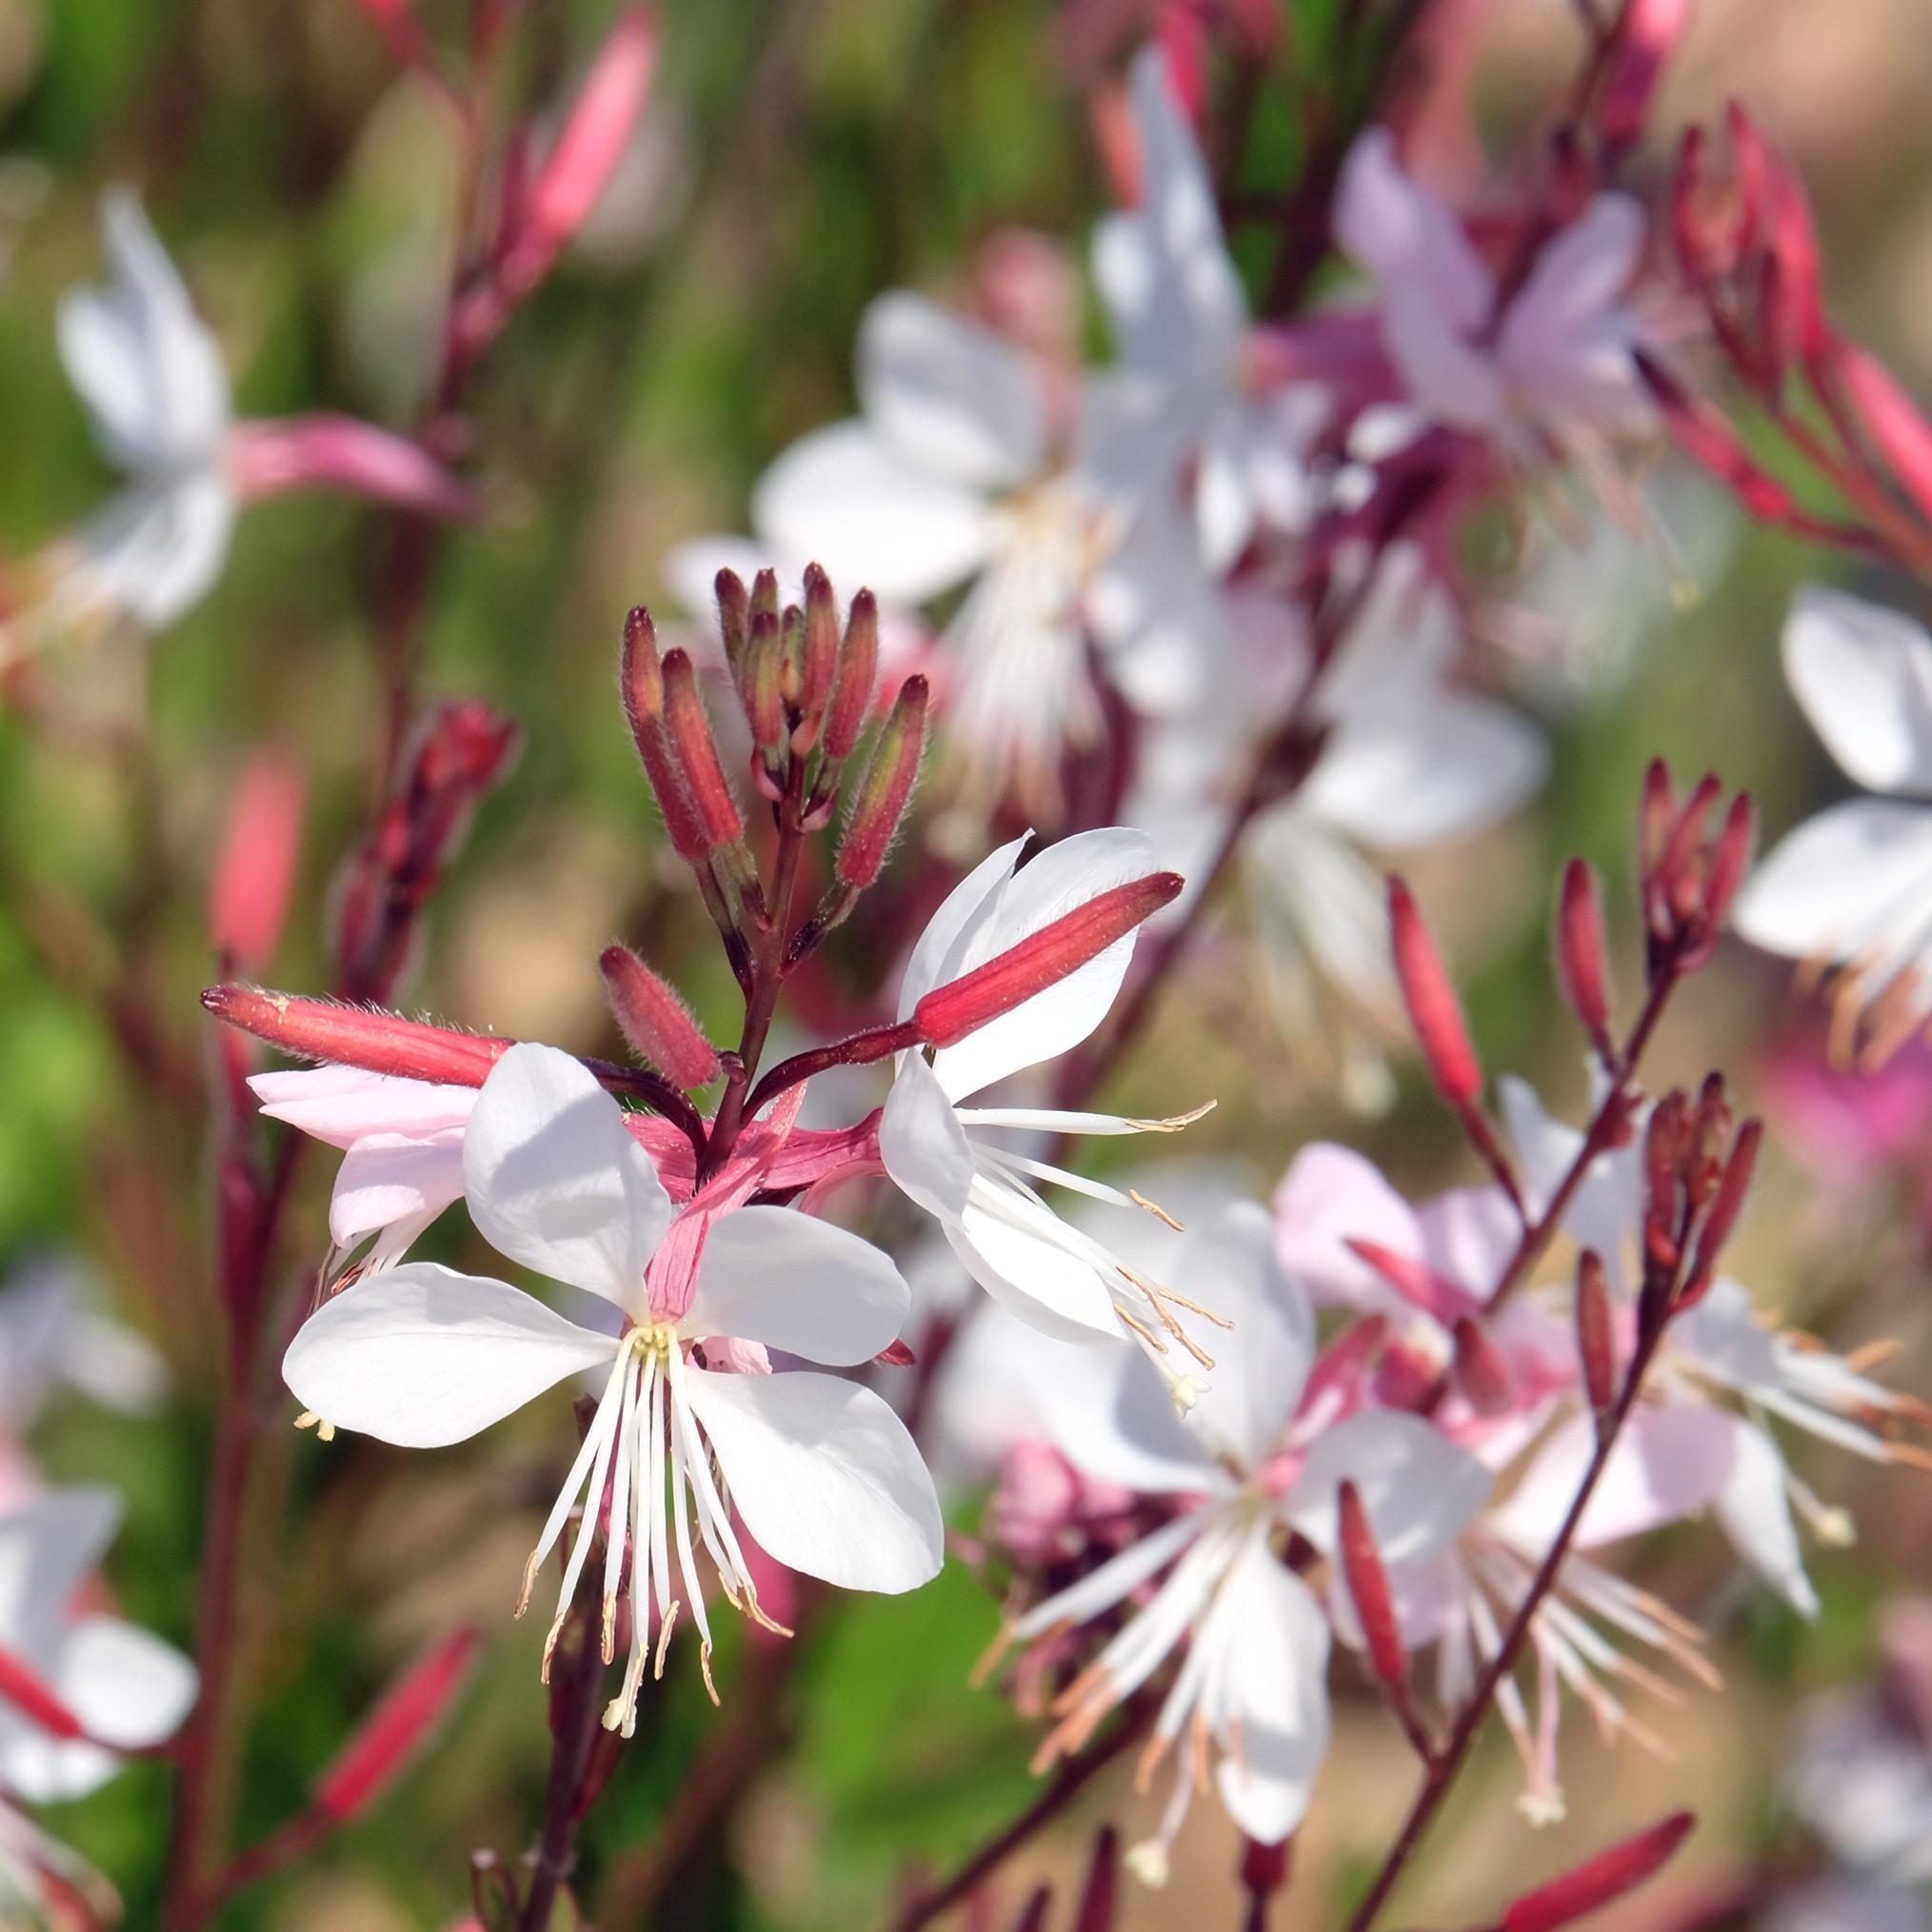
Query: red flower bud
1596, 1333
397, 1727
1416, 1280
1730, 860
1581, 953
1434, 1011
1590, 1886
858, 674
255, 874
357, 1036
763, 664
1368, 1589
655, 1021
1481, 1373
1725, 1209
888, 789
821, 642
690, 732
602, 120
1648, 35
24, 1687
1655, 816
1889, 416
734, 614
1043, 959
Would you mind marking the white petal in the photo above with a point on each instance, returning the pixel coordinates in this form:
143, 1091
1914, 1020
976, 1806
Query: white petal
339, 1105
128, 1689
1669, 1463
1229, 1264
147, 371
1756, 1515
555, 1181
973, 901
386, 1177
1104, 1407
840, 497
825, 1475
1405, 237
1863, 675
148, 554
1852, 881
1330, 1196
794, 1281
1420, 1490
422, 1355
49, 1547
1023, 1260
921, 1142
1447, 773
1268, 1696
1060, 879
951, 398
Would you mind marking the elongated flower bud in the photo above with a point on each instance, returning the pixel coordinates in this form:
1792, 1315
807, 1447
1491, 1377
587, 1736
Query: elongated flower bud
763, 664
1590, 1886
690, 732
1655, 816
1481, 1373
397, 1727
643, 679
1581, 952
888, 789
858, 675
1724, 1210
357, 1036
734, 615
1434, 1011
36, 1700
1730, 860
1368, 1587
765, 593
1596, 1333
1043, 959
821, 642
655, 1021
1415, 1280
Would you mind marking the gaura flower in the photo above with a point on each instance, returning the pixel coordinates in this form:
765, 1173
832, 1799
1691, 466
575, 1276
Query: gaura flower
402, 1142
1251, 1460
1848, 891
126, 1689
1549, 362
1179, 313
819, 1471
54, 1337
954, 1159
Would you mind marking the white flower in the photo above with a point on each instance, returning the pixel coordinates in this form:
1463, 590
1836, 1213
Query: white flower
1180, 315
954, 476
1410, 762
1555, 361
402, 1142
1246, 1463
129, 1689
819, 1469
156, 394
952, 1158
1849, 888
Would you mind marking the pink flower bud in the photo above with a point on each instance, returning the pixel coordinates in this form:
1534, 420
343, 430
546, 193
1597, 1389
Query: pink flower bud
1730, 860
1889, 415
1655, 816
1596, 1333
1581, 952
821, 642
398, 1727
887, 790
734, 614
255, 873
655, 1021
763, 677
603, 118
1434, 1011
1725, 1209
22, 1687
1481, 1373
1648, 35
1590, 1886
858, 674
1416, 1280
643, 680
329, 451
357, 1036
1043, 959
690, 732
1369, 1588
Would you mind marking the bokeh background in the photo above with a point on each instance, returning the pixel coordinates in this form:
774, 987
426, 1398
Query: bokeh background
801, 158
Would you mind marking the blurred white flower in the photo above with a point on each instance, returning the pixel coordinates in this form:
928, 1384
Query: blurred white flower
1849, 889
54, 1337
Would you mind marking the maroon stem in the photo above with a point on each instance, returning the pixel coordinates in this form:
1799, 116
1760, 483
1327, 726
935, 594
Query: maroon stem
1443, 1768
576, 1727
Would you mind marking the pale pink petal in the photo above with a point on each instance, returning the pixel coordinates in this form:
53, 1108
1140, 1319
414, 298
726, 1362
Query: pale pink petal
1863, 675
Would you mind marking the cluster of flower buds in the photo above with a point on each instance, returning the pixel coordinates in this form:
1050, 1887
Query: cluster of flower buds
1747, 245
463, 749
1690, 872
1696, 1172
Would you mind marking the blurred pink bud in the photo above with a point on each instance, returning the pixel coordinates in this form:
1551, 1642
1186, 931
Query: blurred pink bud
1481, 1373
398, 1727
22, 1687
1590, 1886
1648, 35
1581, 952
655, 1020
1368, 1589
330, 452
255, 874
1596, 1333
1890, 417
1434, 1011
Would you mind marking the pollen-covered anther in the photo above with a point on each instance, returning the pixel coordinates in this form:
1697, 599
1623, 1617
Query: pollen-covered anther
325, 1432
1154, 1208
